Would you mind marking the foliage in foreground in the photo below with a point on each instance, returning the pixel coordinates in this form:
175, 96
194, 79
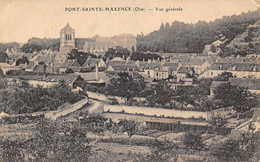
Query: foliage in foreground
50, 142
28, 99
244, 149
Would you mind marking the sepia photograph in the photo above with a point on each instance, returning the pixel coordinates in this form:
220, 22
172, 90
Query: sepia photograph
129, 81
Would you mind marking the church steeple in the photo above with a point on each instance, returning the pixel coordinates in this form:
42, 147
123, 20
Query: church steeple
67, 39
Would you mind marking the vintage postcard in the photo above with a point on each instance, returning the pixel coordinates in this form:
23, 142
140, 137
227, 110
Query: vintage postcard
129, 80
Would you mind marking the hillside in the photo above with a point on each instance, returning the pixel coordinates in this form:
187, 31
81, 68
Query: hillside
181, 37
245, 43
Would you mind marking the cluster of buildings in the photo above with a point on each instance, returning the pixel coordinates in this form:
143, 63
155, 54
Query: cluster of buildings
96, 45
177, 69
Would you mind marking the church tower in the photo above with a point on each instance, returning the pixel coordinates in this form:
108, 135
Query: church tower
67, 39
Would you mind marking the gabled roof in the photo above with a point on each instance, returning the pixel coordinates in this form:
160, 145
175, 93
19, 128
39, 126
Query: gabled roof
113, 63
117, 59
44, 58
39, 68
173, 66
67, 28
124, 67
69, 63
142, 64
184, 70
92, 76
153, 65
215, 84
252, 84
30, 65
91, 61
238, 66
136, 75
131, 62
237, 59
196, 61
69, 78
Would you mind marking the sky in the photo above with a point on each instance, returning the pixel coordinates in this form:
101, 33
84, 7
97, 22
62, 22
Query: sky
23, 19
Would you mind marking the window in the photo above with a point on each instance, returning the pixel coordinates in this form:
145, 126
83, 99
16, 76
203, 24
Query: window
211, 73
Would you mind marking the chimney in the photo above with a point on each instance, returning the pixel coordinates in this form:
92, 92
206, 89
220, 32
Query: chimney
162, 62
137, 63
96, 71
127, 59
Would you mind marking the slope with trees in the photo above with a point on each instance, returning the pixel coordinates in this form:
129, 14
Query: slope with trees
181, 37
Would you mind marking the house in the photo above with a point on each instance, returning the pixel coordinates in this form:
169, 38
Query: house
239, 70
31, 65
253, 85
141, 64
45, 59
199, 65
161, 73
95, 78
237, 60
40, 68
214, 85
6, 67
90, 63
184, 72
44, 81
122, 68
115, 61
149, 70
69, 64
172, 68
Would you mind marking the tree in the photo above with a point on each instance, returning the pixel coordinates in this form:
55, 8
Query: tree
69, 71
80, 56
51, 141
224, 76
125, 86
218, 122
240, 98
163, 151
3, 56
162, 26
30, 48
193, 139
96, 123
183, 37
11, 150
58, 142
129, 126
22, 60
167, 25
245, 148
117, 52
1, 72
161, 94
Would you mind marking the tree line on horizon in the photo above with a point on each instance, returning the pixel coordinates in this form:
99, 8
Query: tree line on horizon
182, 37
178, 37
